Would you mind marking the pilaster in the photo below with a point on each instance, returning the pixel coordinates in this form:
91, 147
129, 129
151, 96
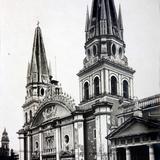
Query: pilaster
102, 110
106, 80
29, 146
21, 147
79, 137
102, 82
40, 143
57, 143
114, 154
131, 88
128, 154
151, 152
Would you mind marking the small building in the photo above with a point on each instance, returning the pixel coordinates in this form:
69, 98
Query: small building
138, 134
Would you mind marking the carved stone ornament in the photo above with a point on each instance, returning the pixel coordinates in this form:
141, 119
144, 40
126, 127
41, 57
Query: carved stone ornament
61, 97
49, 113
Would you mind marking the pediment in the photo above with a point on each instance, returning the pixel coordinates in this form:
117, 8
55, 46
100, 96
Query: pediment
50, 111
134, 126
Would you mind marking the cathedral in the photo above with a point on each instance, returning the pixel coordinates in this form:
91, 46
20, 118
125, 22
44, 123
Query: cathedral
109, 123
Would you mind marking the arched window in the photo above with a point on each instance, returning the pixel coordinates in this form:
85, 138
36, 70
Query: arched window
120, 52
86, 91
26, 117
30, 114
42, 91
113, 49
113, 85
96, 86
89, 53
125, 89
94, 50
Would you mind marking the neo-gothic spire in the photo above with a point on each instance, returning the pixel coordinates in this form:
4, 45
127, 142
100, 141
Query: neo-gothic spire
87, 21
38, 70
120, 22
103, 15
103, 10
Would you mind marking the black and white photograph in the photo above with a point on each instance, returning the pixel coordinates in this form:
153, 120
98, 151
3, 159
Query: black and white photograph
79, 80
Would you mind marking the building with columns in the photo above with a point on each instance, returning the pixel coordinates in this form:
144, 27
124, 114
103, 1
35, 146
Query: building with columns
57, 129
138, 133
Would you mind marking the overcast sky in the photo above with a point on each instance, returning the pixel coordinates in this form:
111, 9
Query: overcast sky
62, 23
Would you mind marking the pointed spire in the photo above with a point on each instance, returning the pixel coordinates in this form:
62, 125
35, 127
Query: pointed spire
39, 65
50, 69
28, 70
94, 12
87, 20
103, 15
109, 19
120, 22
113, 12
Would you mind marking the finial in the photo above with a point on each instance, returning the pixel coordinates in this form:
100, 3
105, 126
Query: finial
38, 23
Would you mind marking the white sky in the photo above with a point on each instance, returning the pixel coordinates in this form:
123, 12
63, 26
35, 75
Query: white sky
62, 23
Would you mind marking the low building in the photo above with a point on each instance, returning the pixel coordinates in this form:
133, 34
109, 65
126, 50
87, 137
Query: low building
138, 134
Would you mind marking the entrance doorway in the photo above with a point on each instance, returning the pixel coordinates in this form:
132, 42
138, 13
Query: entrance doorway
121, 154
139, 153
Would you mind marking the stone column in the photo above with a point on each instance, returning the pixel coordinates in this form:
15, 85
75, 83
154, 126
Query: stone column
114, 154
79, 136
80, 91
21, 147
57, 143
106, 81
29, 147
91, 87
40, 143
102, 110
151, 152
101, 82
128, 154
131, 88
109, 82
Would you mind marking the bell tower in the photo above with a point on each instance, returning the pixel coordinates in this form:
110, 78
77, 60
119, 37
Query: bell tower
106, 80
106, 72
38, 77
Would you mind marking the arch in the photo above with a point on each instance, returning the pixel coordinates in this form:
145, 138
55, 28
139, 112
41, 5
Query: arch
26, 117
113, 49
125, 89
94, 50
89, 53
42, 91
66, 139
86, 91
120, 52
96, 86
50, 110
113, 85
30, 114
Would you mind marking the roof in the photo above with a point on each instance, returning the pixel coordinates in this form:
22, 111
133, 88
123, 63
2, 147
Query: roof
135, 126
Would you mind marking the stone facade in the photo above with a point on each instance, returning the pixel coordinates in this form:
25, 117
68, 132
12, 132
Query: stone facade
55, 128
137, 136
